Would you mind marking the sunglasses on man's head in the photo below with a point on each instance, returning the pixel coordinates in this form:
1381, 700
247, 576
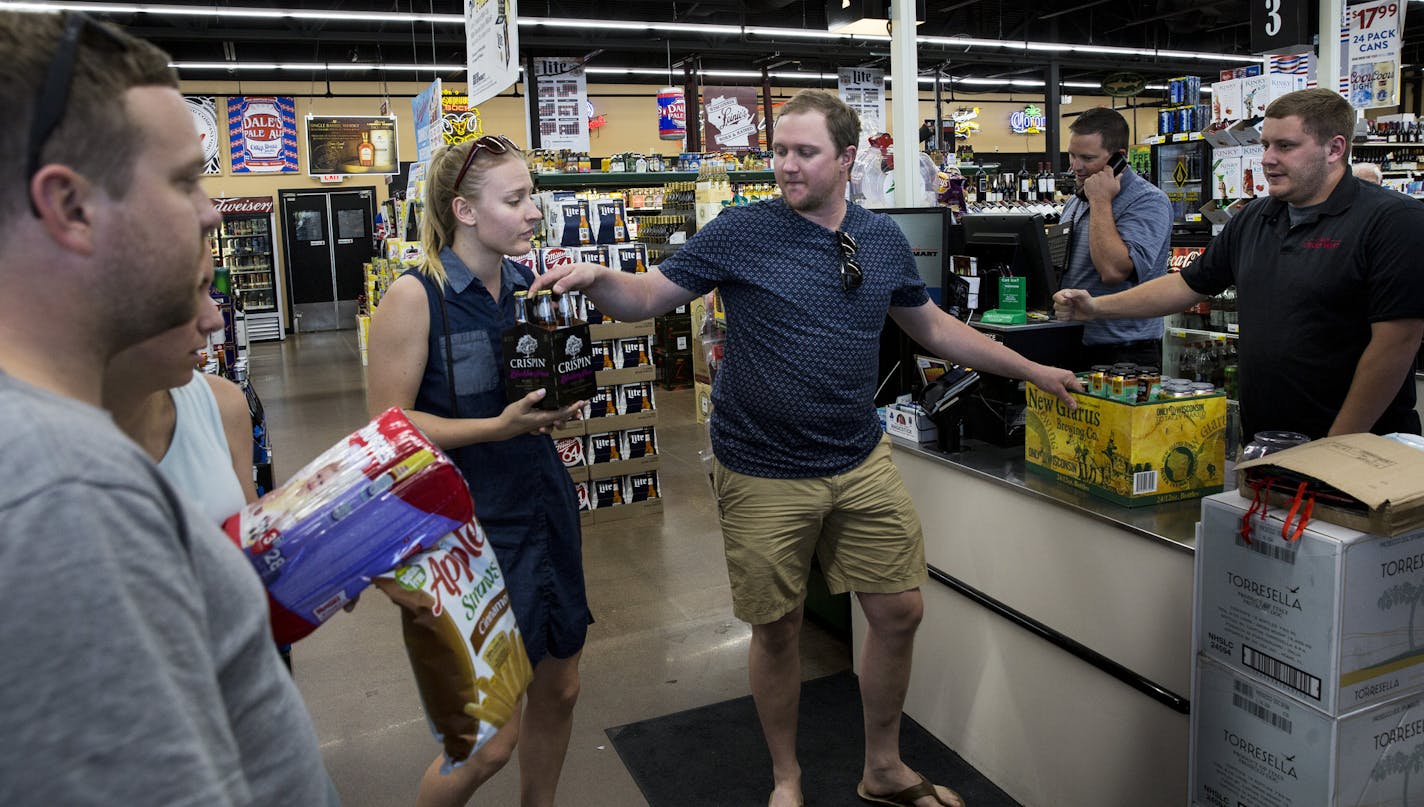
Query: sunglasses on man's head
851, 274
52, 98
494, 144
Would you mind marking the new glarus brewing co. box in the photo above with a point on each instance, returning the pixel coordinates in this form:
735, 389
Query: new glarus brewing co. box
548, 348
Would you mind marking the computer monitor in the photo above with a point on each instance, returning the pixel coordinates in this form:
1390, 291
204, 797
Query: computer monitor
1020, 243
927, 230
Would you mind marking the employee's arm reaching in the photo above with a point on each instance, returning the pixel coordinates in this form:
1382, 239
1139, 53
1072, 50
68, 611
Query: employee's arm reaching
946, 336
1164, 295
623, 296
1381, 369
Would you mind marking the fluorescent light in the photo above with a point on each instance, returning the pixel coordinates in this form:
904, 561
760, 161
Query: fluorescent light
252, 12
238, 12
318, 66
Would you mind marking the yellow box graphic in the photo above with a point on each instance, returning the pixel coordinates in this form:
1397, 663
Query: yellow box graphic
1133, 454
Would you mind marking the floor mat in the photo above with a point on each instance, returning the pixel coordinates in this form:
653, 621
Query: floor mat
714, 756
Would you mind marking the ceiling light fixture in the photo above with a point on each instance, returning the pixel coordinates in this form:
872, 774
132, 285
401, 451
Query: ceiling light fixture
253, 12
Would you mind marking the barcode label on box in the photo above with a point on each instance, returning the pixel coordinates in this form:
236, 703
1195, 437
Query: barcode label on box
1242, 698
1261, 713
1284, 554
1144, 482
1277, 670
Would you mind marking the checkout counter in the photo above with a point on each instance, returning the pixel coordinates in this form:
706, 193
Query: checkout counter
1055, 654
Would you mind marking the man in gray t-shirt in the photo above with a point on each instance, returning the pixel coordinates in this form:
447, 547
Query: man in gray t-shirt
139, 667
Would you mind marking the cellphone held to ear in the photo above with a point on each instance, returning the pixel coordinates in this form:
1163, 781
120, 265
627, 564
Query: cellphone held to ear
1116, 162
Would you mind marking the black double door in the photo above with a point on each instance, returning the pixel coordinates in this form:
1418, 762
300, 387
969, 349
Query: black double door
328, 236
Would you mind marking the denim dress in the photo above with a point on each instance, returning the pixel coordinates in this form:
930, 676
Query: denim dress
524, 497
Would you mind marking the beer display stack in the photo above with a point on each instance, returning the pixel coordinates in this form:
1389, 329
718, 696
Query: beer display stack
612, 453
1309, 672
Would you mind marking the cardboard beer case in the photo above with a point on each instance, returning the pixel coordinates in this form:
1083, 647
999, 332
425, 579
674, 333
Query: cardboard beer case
559, 360
1131, 453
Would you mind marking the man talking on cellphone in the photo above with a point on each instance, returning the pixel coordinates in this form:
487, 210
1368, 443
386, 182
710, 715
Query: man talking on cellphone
1122, 228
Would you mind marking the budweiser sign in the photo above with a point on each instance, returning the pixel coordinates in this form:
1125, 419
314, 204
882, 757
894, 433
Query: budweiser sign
244, 204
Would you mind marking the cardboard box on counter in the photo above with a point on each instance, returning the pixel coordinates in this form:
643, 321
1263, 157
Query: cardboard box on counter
1384, 478
1133, 454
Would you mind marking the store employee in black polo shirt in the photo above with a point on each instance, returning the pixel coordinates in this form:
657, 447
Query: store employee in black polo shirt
1329, 288
1122, 233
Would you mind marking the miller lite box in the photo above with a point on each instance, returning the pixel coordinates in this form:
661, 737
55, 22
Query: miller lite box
603, 354
631, 258
603, 447
566, 222
605, 492
630, 352
596, 253
602, 403
635, 398
638, 443
551, 257
1252, 745
591, 314
1328, 617
556, 359
640, 487
610, 222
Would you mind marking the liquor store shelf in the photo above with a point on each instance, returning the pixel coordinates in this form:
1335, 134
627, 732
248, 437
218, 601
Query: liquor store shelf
634, 179
1181, 332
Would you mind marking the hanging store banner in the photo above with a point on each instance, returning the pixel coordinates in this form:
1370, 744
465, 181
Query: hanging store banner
262, 134
352, 144
863, 89
458, 120
563, 104
205, 119
1375, 31
492, 43
426, 112
732, 119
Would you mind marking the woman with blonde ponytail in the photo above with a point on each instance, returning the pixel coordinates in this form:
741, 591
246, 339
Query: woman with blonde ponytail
434, 351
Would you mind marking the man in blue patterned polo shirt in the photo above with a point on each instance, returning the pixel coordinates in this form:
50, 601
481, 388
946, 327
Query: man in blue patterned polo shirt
1122, 232
802, 465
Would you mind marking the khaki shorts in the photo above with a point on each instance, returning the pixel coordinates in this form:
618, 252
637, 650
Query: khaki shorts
861, 524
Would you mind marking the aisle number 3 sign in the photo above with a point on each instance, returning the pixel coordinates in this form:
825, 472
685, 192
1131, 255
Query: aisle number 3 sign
1280, 26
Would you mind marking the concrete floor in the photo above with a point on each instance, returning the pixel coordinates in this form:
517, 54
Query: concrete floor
665, 639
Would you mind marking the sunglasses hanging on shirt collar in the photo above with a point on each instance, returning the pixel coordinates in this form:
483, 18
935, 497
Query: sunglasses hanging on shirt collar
851, 274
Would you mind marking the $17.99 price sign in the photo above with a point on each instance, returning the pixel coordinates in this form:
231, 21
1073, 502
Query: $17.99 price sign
1372, 53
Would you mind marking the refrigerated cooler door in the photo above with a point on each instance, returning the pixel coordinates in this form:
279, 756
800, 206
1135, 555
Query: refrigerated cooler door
1179, 169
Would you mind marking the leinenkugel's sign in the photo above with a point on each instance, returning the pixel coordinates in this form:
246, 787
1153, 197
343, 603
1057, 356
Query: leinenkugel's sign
243, 204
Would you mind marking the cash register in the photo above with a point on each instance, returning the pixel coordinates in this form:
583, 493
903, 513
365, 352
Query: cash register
1031, 256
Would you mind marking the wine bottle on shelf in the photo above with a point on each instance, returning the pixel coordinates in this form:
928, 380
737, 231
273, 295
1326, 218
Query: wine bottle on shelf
1026, 185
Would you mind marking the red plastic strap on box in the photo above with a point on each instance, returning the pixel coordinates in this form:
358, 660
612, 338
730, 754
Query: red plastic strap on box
1261, 488
1295, 510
